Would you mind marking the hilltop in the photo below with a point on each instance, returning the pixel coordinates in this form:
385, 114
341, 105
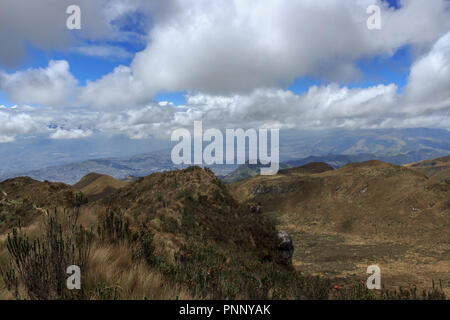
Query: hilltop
95, 186
335, 161
181, 231
23, 199
436, 169
190, 205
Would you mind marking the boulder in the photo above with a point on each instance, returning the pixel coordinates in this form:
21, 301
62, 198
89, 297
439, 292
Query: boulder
254, 207
285, 247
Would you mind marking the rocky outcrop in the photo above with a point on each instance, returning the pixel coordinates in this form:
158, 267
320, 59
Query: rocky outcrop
254, 207
272, 189
285, 247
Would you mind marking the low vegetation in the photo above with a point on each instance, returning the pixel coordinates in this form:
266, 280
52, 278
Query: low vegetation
172, 235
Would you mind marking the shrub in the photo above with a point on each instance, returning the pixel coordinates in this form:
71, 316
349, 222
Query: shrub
113, 227
142, 246
39, 265
80, 199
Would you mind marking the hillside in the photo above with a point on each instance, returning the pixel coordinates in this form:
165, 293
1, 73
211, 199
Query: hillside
185, 234
188, 205
23, 199
361, 214
310, 168
95, 186
436, 169
335, 161
172, 234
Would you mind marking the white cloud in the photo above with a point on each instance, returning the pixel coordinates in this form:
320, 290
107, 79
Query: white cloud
225, 47
429, 80
54, 85
70, 134
319, 108
117, 90
104, 51
14, 124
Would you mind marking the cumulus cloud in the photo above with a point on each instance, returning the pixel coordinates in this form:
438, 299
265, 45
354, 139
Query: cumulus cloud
234, 47
118, 89
224, 46
54, 85
62, 134
14, 124
429, 80
319, 108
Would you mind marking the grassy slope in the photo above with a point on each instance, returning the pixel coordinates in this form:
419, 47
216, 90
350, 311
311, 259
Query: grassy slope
96, 186
23, 199
435, 169
362, 214
207, 244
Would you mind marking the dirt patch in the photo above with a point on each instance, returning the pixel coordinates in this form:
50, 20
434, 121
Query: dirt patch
331, 255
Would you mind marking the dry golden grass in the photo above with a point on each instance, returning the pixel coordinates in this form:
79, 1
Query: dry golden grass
361, 214
112, 267
95, 185
366, 210
111, 273
435, 169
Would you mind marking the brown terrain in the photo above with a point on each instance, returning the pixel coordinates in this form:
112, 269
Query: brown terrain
23, 199
341, 221
370, 213
177, 230
95, 186
436, 169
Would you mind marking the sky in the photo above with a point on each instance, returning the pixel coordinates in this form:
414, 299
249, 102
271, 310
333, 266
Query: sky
140, 69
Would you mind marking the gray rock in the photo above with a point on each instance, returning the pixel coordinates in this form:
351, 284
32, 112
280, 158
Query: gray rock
285, 247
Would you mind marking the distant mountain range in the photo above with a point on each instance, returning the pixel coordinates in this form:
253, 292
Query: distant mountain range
336, 148
336, 161
119, 168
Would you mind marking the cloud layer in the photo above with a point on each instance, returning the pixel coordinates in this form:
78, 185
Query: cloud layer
235, 59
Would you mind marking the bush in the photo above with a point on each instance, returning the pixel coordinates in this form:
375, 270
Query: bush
40, 265
80, 199
113, 227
